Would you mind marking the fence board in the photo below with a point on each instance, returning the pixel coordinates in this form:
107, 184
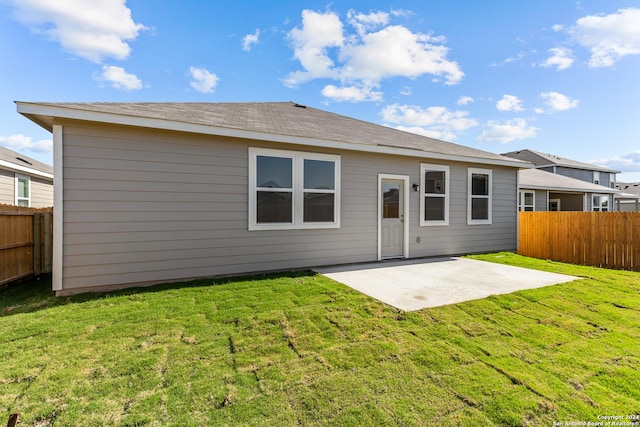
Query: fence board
25, 242
602, 239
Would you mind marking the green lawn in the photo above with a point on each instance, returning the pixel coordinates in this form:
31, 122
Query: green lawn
300, 349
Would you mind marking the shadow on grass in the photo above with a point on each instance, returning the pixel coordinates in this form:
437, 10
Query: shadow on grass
35, 295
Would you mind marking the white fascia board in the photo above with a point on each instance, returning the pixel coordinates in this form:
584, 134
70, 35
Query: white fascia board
75, 114
23, 169
569, 189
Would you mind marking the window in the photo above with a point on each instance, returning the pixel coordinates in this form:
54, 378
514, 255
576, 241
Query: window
434, 195
596, 177
23, 190
289, 189
527, 201
480, 199
600, 203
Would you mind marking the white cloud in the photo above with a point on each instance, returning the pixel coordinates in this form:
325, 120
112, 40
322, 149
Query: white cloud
436, 122
203, 80
319, 32
396, 51
520, 56
510, 130
609, 37
249, 40
19, 142
91, 29
629, 162
558, 102
561, 58
351, 93
363, 23
119, 78
406, 91
464, 100
509, 103
373, 52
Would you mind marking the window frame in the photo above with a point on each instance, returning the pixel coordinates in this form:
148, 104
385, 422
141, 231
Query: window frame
599, 208
298, 191
522, 197
470, 196
17, 198
424, 167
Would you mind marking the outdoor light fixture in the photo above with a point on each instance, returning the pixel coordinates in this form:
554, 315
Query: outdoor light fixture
416, 187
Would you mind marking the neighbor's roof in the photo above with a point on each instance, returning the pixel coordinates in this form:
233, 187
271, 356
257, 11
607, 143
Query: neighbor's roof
541, 160
628, 190
20, 163
270, 121
536, 179
629, 187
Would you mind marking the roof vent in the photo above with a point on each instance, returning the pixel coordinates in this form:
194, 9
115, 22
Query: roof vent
23, 160
295, 104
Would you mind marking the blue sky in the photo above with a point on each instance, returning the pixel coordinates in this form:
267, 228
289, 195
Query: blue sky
561, 77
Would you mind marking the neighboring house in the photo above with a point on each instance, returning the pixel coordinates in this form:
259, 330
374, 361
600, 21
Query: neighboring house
628, 200
572, 197
156, 192
24, 181
546, 191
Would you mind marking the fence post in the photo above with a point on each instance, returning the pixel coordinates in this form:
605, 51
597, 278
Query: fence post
37, 249
48, 242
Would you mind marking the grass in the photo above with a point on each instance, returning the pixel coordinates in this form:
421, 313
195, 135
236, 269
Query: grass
300, 349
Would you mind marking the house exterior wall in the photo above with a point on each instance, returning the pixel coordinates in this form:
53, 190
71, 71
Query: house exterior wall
542, 201
151, 206
7, 187
569, 201
41, 190
581, 174
41, 193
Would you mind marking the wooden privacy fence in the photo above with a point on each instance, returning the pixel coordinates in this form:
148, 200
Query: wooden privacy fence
26, 241
601, 239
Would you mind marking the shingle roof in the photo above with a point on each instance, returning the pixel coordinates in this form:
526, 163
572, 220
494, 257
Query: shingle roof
629, 187
543, 180
541, 159
23, 161
273, 118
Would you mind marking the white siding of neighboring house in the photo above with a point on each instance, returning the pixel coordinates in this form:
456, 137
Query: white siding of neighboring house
152, 206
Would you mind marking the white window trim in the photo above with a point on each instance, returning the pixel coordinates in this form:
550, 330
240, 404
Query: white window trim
521, 198
609, 198
298, 158
447, 189
596, 177
470, 173
17, 199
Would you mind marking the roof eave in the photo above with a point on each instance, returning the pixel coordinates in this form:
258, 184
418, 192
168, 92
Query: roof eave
44, 115
569, 189
24, 170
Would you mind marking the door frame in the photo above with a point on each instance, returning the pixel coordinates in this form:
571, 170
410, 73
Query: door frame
405, 207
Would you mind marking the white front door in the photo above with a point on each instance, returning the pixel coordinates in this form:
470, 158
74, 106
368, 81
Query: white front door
392, 218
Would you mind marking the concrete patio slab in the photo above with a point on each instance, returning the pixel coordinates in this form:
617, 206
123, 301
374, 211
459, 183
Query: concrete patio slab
421, 283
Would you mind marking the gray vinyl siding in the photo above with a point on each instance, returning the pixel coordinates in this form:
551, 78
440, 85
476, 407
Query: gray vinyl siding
581, 174
548, 169
151, 206
542, 201
7, 187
